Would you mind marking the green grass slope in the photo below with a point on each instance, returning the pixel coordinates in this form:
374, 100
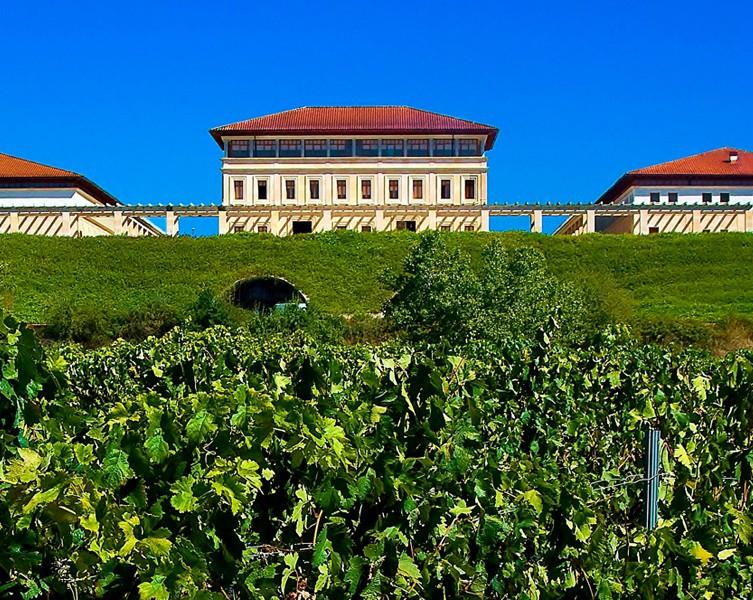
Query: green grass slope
705, 277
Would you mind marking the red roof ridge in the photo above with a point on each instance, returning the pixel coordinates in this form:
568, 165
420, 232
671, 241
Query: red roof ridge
26, 161
647, 169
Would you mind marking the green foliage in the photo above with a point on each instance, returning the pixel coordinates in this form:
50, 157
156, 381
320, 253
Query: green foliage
209, 310
220, 464
440, 297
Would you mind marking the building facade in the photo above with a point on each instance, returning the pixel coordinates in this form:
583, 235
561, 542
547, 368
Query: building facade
24, 183
711, 180
340, 167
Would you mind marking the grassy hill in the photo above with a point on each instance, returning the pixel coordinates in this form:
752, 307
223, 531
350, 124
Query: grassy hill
703, 277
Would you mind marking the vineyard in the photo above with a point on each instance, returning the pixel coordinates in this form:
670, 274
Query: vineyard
219, 464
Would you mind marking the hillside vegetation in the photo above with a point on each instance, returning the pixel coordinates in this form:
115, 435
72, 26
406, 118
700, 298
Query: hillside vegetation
699, 277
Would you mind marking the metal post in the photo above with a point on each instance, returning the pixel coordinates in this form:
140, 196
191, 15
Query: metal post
653, 439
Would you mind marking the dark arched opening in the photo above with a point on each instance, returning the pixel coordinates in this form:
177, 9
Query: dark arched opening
265, 293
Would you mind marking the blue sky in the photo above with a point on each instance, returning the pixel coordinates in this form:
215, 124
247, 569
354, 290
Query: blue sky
125, 92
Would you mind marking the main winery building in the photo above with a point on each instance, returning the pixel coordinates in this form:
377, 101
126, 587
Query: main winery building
341, 167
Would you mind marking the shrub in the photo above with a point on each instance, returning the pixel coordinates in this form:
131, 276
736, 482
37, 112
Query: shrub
439, 297
208, 310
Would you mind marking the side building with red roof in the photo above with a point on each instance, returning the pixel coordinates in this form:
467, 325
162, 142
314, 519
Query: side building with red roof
715, 180
24, 184
338, 167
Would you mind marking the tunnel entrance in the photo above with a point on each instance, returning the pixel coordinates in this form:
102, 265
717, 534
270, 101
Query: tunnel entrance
266, 293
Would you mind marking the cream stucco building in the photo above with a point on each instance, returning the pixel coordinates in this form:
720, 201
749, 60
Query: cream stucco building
341, 167
718, 184
24, 184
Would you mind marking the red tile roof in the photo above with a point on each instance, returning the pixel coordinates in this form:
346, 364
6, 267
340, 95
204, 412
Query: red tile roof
713, 162
19, 172
707, 168
316, 120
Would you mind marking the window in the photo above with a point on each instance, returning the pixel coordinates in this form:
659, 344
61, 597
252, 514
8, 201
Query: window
262, 229
724, 197
418, 147
470, 189
265, 148
469, 228
315, 148
655, 197
313, 189
367, 147
418, 189
342, 189
302, 227
341, 227
393, 148
238, 149
290, 189
443, 148
706, 198
444, 228
237, 228
469, 148
341, 147
653, 230
445, 189
672, 197
290, 148
366, 228
366, 189
394, 189
261, 189
406, 226
238, 189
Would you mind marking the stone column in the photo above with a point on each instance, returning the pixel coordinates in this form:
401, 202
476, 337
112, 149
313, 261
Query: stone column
222, 224
274, 222
642, 222
118, 227
431, 220
65, 219
379, 219
171, 223
590, 221
749, 220
484, 219
15, 222
695, 221
536, 220
325, 224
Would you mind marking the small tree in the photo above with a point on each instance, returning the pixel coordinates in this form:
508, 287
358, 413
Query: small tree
440, 297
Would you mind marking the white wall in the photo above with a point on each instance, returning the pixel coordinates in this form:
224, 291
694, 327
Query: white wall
44, 197
688, 195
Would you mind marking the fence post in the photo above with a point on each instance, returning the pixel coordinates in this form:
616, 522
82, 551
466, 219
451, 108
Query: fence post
653, 439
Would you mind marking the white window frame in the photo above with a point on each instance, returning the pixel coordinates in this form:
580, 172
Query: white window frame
361, 199
424, 189
233, 181
320, 199
441, 178
256, 190
335, 196
387, 199
475, 198
284, 189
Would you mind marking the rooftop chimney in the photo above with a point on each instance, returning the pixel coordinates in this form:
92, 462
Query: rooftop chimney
733, 156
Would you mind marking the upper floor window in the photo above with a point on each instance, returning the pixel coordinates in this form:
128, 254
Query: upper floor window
445, 189
238, 149
314, 189
265, 148
470, 189
261, 189
366, 189
394, 189
469, 148
672, 197
655, 196
418, 189
367, 147
706, 197
443, 148
393, 148
290, 189
342, 189
341, 147
290, 148
418, 148
315, 148
238, 189
724, 197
